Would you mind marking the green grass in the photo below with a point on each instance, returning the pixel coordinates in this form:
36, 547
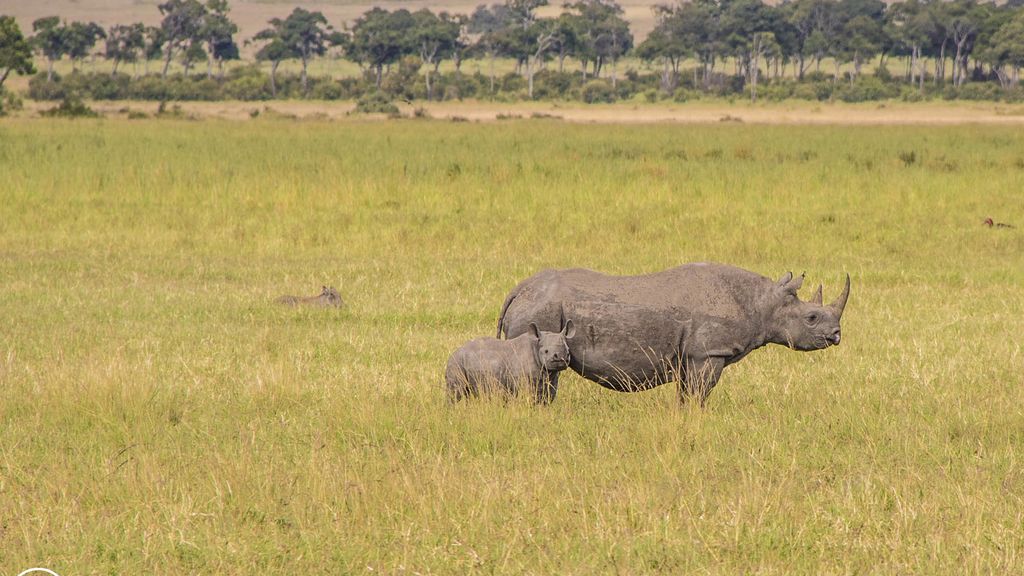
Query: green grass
159, 414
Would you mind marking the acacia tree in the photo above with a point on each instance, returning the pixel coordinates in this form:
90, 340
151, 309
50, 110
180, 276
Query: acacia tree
488, 23
910, 24
218, 33
124, 43
380, 38
15, 51
153, 43
182, 24
1004, 51
81, 39
303, 35
434, 38
50, 38
274, 51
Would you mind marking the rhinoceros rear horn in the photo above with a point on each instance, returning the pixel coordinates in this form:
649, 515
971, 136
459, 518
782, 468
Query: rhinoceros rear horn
817, 296
840, 302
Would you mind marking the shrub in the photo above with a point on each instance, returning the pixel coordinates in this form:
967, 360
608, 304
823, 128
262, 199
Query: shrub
70, 107
975, 91
865, 89
511, 83
596, 91
376, 103
325, 90
551, 84
247, 88
9, 102
150, 88
776, 92
39, 88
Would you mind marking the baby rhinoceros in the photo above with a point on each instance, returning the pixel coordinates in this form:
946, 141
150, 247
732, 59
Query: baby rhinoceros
328, 297
505, 366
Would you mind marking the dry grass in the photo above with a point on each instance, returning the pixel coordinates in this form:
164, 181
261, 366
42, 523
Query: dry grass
792, 112
159, 414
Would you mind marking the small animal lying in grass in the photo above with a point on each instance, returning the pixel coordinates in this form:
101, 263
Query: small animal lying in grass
991, 224
328, 297
504, 366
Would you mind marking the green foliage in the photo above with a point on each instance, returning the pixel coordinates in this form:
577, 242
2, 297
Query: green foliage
865, 89
70, 107
15, 51
597, 91
376, 103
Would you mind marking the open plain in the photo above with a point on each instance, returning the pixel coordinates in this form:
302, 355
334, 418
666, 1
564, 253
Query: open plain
159, 414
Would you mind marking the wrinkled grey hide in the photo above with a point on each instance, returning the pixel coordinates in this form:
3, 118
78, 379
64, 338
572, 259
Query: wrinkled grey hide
529, 359
681, 325
328, 297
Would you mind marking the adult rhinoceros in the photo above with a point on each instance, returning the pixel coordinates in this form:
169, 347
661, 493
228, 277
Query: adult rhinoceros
681, 325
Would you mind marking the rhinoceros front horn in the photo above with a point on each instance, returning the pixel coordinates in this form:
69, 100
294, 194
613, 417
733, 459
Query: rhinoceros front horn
840, 302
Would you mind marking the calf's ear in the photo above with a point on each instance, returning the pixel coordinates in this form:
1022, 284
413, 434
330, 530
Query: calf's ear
534, 331
569, 330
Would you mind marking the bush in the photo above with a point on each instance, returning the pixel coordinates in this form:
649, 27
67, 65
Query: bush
71, 107
551, 84
376, 103
776, 92
865, 89
511, 83
39, 88
150, 88
974, 91
325, 89
247, 88
9, 102
597, 91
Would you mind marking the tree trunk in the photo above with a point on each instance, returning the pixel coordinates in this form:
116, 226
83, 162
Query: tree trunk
426, 76
273, 78
167, 60
380, 74
492, 71
305, 77
116, 62
49, 69
529, 76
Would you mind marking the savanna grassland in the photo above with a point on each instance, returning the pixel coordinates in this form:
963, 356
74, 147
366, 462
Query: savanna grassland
160, 415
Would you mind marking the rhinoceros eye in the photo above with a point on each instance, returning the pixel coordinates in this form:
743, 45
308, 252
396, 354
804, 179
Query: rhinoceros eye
812, 318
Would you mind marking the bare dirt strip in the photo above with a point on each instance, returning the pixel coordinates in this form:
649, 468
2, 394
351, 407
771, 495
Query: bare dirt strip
625, 113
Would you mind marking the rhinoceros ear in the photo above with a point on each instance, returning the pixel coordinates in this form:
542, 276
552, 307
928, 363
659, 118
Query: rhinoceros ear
534, 331
569, 330
789, 284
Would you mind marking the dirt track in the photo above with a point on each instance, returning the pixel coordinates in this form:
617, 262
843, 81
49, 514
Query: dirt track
698, 112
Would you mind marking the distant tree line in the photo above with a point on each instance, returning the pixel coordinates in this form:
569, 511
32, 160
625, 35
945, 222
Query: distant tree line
734, 46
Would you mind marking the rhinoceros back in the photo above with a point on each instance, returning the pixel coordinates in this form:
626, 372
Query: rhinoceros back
632, 331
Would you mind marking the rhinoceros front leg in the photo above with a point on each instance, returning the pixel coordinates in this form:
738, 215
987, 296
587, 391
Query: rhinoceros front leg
699, 378
547, 388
